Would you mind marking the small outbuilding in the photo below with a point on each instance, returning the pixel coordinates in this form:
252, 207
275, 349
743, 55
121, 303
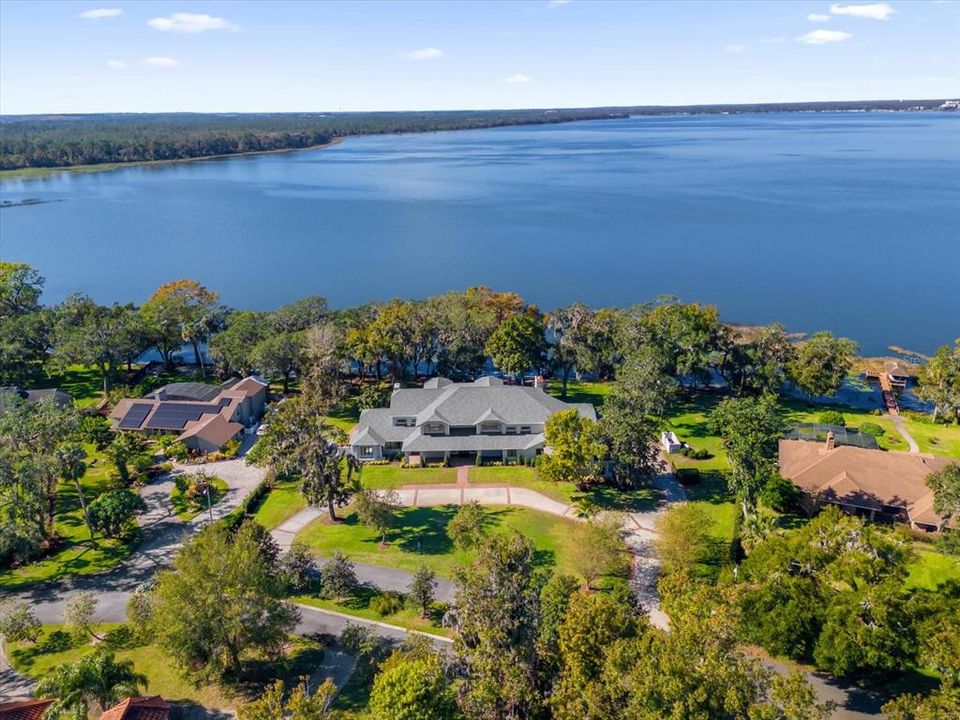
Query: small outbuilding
670, 442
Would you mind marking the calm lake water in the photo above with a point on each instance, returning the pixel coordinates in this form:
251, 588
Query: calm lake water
849, 222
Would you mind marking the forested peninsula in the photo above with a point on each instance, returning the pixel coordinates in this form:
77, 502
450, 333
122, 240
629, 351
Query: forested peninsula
62, 141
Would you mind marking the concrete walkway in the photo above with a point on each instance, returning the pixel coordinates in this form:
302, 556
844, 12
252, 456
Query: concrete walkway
639, 529
902, 429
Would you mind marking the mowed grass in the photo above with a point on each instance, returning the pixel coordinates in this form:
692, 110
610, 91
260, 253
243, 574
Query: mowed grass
75, 555
930, 568
935, 439
381, 477
84, 384
581, 392
282, 502
359, 606
55, 647
711, 496
597, 497
690, 422
420, 537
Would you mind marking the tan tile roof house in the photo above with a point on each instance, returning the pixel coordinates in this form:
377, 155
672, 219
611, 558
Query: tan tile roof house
139, 708
204, 417
24, 709
871, 482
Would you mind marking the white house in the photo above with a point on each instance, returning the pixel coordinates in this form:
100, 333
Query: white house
445, 420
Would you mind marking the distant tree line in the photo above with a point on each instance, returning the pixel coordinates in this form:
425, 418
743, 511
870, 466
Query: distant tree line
46, 141
64, 141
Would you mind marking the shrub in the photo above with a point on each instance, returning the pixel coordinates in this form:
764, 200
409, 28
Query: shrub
688, 476
949, 542
178, 451
113, 511
701, 454
182, 482
832, 417
872, 429
387, 603
780, 494
338, 579
231, 448
298, 567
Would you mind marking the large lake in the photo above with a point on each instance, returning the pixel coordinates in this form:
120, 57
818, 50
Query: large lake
849, 222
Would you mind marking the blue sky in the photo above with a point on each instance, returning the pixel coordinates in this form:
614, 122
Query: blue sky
106, 56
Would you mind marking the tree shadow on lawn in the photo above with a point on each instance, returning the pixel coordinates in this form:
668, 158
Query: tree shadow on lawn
423, 530
56, 642
712, 488
605, 497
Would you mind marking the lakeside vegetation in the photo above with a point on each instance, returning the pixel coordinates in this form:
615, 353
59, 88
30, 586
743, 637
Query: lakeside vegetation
30, 145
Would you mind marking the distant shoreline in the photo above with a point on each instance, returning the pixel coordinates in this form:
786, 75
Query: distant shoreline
37, 173
339, 126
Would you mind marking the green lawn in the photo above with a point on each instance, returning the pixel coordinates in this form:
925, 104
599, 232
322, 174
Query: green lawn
359, 606
930, 568
711, 495
420, 536
282, 502
345, 416
380, 477
55, 647
75, 555
602, 497
581, 392
187, 510
84, 384
935, 439
689, 422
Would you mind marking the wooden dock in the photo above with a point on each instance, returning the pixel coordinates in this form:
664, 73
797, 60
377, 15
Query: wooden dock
886, 390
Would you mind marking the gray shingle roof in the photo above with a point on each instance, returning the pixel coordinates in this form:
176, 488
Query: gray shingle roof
462, 404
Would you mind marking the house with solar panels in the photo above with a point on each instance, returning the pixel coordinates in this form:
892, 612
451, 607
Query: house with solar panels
460, 422
203, 417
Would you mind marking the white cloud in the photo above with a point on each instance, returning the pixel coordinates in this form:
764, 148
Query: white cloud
158, 61
100, 13
773, 40
822, 37
734, 48
191, 23
878, 11
424, 54
518, 78
557, 3
818, 17
116, 64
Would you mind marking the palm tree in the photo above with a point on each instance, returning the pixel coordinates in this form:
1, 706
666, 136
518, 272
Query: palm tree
98, 678
70, 458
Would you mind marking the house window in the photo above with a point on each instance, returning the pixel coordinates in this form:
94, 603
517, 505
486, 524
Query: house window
366, 451
490, 428
511, 453
525, 430
402, 422
511, 430
394, 445
435, 427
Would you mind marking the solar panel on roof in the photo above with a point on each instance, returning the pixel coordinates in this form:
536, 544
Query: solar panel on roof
174, 416
135, 415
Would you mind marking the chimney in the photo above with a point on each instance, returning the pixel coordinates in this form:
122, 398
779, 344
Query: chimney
831, 441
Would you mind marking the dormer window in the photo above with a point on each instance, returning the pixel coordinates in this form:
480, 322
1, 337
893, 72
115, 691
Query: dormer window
490, 427
403, 422
434, 427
